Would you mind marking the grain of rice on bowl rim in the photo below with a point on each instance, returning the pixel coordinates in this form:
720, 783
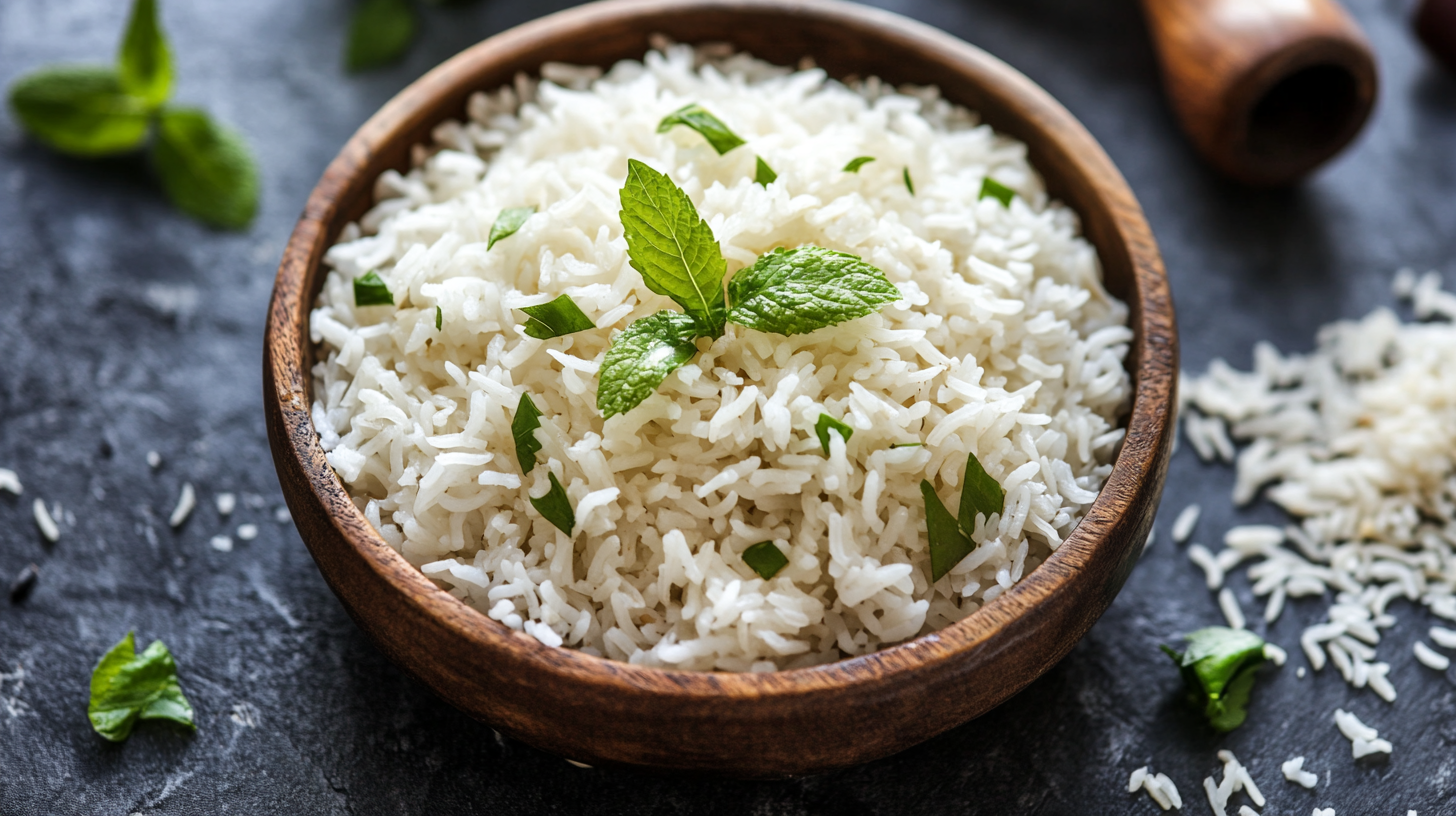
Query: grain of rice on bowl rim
1003, 344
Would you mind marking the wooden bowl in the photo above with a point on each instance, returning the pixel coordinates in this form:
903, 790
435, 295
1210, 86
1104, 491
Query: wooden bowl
599, 711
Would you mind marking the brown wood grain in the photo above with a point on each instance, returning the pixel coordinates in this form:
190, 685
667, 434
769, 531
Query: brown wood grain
759, 725
1267, 90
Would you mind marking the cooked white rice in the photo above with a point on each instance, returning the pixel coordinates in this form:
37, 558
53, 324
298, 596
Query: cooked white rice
1005, 345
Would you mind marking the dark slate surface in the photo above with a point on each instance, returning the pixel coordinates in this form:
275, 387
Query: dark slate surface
126, 328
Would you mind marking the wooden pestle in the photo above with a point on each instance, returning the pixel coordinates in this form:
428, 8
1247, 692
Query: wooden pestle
1266, 90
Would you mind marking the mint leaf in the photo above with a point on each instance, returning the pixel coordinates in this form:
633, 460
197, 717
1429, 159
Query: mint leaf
205, 168
711, 127
672, 247
1218, 671
765, 559
948, 545
765, 174
994, 189
555, 506
439, 314
144, 64
379, 34
126, 687
506, 224
370, 290
79, 109
560, 316
979, 494
856, 163
909, 185
523, 429
828, 423
794, 291
641, 357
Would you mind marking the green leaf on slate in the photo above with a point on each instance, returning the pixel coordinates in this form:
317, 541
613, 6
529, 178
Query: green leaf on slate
711, 127
1218, 671
145, 61
826, 424
979, 494
672, 247
555, 507
205, 168
794, 291
523, 429
556, 318
506, 224
439, 318
909, 185
127, 687
641, 357
991, 188
80, 109
856, 163
379, 34
948, 545
765, 175
370, 290
765, 559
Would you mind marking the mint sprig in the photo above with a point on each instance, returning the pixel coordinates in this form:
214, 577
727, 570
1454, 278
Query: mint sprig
951, 538
1218, 671
80, 110
144, 64
795, 291
641, 357
557, 318
127, 687
672, 247
711, 127
205, 168
507, 223
379, 33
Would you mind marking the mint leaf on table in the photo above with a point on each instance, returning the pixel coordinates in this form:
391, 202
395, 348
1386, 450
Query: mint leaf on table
641, 357
794, 291
523, 429
555, 507
948, 545
127, 687
205, 168
370, 290
80, 109
856, 163
980, 494
556, 318
765, 559
672, 247
144, 64
379, 34
506, 224
828, 423
764, 175
1218, 671
909, 185
711, 127
991, 188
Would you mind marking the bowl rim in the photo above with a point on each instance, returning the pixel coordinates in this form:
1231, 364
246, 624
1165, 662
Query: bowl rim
288, 383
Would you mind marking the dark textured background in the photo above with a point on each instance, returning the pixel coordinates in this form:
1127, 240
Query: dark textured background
125, 327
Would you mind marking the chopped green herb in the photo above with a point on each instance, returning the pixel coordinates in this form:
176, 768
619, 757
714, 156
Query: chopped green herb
641, 357
523, 429
948, 545
145, 62
711, 127
672, 247
765, 174
370, 290
1218, 671
826, 424
907, 445
553, 319
379, 34
205, 168
909, 185
555, 507
980, 494
79, 109
439, 319
991, 188
506, 224
765, 559
127, 687
794, 291
856, 163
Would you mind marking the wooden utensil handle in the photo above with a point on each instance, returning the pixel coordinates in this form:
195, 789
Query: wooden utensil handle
1266, 89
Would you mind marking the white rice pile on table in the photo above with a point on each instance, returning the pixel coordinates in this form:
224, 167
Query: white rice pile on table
1005, 345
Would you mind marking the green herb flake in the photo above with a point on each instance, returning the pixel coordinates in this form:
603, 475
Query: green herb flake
379, 34
641, 357
439, 318
555, 507
764, 175
370, 290
672, 247
145, 61
980, 494
907, 445
711, 127
1218, 671
506, 224
948, 545
991, 188
205, 168
559, 317
856, 163
826, 424
523, 429
794, 291
80, 110
765, 559
127, 687
909, 185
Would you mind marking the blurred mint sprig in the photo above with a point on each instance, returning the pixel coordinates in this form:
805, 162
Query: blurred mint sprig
97, 110
382, 31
